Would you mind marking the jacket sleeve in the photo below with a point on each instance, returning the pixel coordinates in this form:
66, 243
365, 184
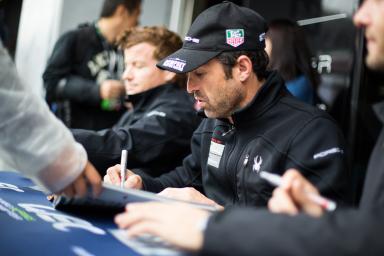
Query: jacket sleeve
61, 82
257, 232
318, 150
187, 175
152, 138
32, 140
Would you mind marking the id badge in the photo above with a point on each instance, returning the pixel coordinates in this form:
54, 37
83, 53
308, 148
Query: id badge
215, 152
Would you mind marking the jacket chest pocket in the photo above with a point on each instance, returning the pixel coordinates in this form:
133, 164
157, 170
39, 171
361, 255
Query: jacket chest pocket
257, 156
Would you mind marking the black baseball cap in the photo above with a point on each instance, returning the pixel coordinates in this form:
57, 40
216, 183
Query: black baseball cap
221, 28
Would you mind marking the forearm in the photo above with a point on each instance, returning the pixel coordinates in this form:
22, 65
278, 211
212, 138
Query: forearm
74, 88
45, 147
33, 140
256, 232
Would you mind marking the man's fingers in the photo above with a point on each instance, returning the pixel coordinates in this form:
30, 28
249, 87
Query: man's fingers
93, 178
134, 213
114, 174
167, 192
111, 89
126, 219
300, 191
106, 179
289, 176
145, 227
133, 181
80, 187
282, 203
68, 191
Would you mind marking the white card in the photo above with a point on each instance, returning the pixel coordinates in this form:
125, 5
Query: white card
215, 152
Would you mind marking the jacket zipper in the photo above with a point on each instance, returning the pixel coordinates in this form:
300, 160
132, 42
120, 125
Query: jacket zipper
243, 184
232, 129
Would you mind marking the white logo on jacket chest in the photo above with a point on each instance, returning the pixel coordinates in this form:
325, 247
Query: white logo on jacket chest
257, 161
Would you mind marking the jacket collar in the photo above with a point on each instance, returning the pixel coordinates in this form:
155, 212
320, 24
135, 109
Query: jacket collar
272, 90
141, 99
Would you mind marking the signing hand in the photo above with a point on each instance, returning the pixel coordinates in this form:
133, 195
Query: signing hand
189, 194
132, 180
178, 224
292, 196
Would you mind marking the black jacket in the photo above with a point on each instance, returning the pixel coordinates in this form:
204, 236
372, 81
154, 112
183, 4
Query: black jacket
273, 133
156, 132
80, 61
344, 232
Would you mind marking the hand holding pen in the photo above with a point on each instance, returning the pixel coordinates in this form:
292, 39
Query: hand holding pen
119, 175
294, 193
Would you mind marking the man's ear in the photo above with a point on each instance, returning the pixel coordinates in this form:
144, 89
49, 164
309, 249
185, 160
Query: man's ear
168, 76
244, 67
120, 10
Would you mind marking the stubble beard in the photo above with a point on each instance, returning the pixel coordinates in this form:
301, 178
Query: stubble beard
226, 106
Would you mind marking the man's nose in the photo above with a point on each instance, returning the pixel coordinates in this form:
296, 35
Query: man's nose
362, 16
191, 85
127, 74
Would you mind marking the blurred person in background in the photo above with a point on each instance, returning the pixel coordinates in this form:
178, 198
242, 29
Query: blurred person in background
83, 75
289, 53
158, 127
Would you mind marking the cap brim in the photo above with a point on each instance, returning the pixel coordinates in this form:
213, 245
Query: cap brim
186, 60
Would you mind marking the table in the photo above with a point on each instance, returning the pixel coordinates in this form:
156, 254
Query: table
31, 226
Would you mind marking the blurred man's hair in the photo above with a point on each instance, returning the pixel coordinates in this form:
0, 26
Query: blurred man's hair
110, 6
165, 41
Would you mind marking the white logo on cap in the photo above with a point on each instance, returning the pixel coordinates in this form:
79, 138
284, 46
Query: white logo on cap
175, 64
191, 39
235, 37
262, 37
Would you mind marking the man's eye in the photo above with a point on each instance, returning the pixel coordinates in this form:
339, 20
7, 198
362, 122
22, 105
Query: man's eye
199, 74
138, 65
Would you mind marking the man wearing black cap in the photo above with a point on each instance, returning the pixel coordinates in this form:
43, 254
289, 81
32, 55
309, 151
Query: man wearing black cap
253, 124
242, 231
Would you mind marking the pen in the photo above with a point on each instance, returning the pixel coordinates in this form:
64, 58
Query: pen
123, 166
276, 180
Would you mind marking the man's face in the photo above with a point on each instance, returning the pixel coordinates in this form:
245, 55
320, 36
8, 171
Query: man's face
218, 96
141, 73
268, 46
371, 17
129, 20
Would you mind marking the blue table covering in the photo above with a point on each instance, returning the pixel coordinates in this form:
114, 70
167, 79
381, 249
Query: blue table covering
29, 225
